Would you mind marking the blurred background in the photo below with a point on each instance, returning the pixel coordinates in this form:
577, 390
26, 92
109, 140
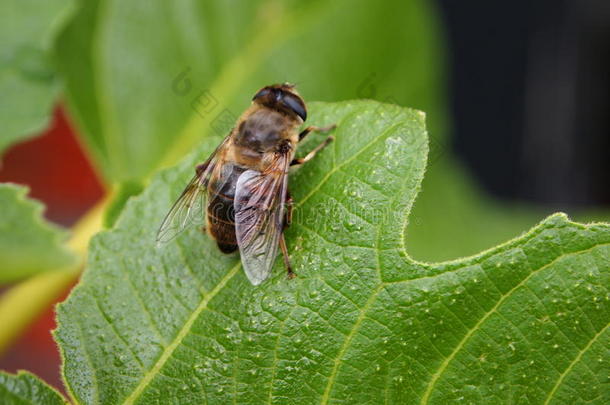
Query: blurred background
97, 96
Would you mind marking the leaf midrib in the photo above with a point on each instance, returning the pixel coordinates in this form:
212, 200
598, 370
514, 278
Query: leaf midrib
167, 352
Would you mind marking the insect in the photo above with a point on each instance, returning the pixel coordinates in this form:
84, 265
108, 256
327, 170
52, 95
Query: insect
242, 189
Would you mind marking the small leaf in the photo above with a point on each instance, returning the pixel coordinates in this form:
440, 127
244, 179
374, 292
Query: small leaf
28, 82
362, 322
27, 389
28, 243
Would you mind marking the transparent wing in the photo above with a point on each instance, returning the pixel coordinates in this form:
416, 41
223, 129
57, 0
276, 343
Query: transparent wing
259, 217
189, 208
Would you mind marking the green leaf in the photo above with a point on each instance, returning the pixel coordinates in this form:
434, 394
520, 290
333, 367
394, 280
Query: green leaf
28, 243
526, 321
143, 97
122, 194
28, 82
27, 389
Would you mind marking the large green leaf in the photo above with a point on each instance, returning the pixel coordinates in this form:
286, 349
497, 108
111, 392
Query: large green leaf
28, 243
362, 323
26, 389
145, 96
27, 76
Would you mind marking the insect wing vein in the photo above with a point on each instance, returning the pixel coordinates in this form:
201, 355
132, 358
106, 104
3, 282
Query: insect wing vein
259, 210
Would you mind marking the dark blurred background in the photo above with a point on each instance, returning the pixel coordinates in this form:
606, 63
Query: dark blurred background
529, 95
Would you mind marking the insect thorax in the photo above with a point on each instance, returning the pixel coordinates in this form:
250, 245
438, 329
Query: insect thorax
264, 130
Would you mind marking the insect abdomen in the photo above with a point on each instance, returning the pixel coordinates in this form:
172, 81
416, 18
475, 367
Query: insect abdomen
220, 210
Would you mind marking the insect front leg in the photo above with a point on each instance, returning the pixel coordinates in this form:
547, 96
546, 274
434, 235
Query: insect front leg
312, 128
311, 154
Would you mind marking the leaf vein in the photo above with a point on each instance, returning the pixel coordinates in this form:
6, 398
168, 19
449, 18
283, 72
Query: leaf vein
576, 360
116, 332
275, 350
444, 365
167, 352
322, 237
190, 268
96, 385
146, 310
346, 162
347, 342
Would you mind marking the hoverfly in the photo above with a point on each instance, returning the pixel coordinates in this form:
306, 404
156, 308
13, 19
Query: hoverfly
242, 189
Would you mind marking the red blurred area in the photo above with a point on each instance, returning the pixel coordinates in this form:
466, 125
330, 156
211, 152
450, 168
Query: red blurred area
56, 169
59, 174
36, 351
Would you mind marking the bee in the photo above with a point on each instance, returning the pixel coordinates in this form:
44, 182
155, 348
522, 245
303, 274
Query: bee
242, 189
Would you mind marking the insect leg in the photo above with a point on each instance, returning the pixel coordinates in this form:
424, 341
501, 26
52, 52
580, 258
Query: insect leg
312, 128
291, 274
289, 206
311, 154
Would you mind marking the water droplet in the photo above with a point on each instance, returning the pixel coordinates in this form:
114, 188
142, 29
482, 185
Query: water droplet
199, 369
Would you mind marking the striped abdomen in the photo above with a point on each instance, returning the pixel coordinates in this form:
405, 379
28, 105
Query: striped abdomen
220, 210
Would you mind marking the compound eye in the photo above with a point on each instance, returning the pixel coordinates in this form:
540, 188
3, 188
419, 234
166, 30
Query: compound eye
296, 105
262, 93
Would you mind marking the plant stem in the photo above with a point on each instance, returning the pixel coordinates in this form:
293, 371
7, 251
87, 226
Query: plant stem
24, 302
